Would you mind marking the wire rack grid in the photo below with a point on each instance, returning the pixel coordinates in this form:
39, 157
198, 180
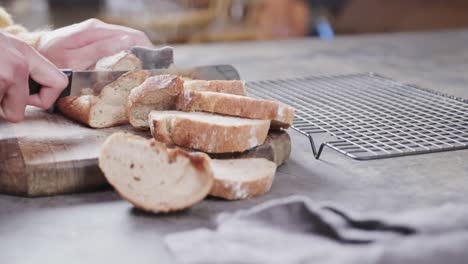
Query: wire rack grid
371, 116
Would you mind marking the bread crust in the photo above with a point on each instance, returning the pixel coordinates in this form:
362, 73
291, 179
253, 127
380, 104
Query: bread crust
77, 108
276, 148
235, 105
220, 86
122, 61
207, 137
232, 189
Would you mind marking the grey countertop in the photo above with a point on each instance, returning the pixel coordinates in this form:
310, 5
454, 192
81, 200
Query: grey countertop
102, 228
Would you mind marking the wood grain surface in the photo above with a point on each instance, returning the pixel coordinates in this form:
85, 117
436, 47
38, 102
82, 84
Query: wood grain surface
48, 154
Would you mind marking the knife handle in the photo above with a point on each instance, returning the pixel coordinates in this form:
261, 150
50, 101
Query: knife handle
35, 87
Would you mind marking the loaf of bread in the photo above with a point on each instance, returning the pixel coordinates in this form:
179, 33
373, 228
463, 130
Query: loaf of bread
236, 179
153, 177
281, 115
207, 132
106, 109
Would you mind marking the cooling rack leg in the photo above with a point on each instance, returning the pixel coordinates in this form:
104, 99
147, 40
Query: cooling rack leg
314, 150
312, 144
317, 156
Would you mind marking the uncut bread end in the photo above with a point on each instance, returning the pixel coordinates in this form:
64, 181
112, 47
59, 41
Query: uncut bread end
220, 86
236, 179
281, 114
155, 93
207, 132
153, 177
106, 109
122, 61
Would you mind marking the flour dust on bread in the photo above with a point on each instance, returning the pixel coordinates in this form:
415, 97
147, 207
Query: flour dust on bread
152, 176
155, 93
106, 109
161, 93
207, 132
122, 61
236, 179
220, 86
279, 113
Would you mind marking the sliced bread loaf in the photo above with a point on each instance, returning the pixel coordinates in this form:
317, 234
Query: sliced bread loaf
235, 105
207, 132
236, 179
156, 93
106, 109
219, 86
161, 92
153, 177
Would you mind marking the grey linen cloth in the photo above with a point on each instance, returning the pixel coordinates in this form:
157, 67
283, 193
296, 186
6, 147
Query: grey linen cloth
294, 230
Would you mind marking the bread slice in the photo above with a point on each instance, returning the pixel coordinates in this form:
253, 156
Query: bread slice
153, 177
106, 109
235, 105
236, 179
207, 132
219, 86
156, 93
276, 148
122, 61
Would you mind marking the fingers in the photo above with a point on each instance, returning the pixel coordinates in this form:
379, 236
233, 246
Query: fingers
13, 83
44, 72
138, 37
14, 101
14, 90
92, 30
81, 45
88, 55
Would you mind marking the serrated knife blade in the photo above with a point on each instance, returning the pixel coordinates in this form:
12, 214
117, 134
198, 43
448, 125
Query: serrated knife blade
97, 80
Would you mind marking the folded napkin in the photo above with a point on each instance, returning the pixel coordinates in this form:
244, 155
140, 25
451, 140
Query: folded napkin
294, 230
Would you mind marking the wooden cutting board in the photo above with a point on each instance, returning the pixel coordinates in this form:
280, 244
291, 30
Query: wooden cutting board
48, 154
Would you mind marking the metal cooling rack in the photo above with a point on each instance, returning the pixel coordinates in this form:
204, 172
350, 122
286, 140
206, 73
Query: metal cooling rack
371, 116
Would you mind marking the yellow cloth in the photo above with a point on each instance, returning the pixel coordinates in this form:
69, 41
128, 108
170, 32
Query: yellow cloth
7, 24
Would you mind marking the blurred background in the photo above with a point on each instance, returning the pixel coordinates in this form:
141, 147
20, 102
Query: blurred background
195, 21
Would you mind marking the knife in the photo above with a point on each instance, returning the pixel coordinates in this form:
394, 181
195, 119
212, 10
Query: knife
79, 80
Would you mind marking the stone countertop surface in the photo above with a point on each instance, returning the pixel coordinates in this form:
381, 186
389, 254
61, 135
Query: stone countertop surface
101, 228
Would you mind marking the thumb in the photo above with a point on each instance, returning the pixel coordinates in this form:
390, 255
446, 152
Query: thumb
91, 53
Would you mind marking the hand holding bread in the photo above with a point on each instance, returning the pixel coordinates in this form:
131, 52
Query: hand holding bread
80, 46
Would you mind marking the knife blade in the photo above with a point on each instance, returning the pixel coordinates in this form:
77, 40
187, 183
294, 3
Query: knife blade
97, 80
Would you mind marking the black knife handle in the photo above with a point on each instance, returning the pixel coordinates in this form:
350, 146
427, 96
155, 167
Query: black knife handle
35, 87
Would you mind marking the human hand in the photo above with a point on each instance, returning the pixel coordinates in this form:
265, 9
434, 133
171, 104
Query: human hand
80, 46
17, 63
